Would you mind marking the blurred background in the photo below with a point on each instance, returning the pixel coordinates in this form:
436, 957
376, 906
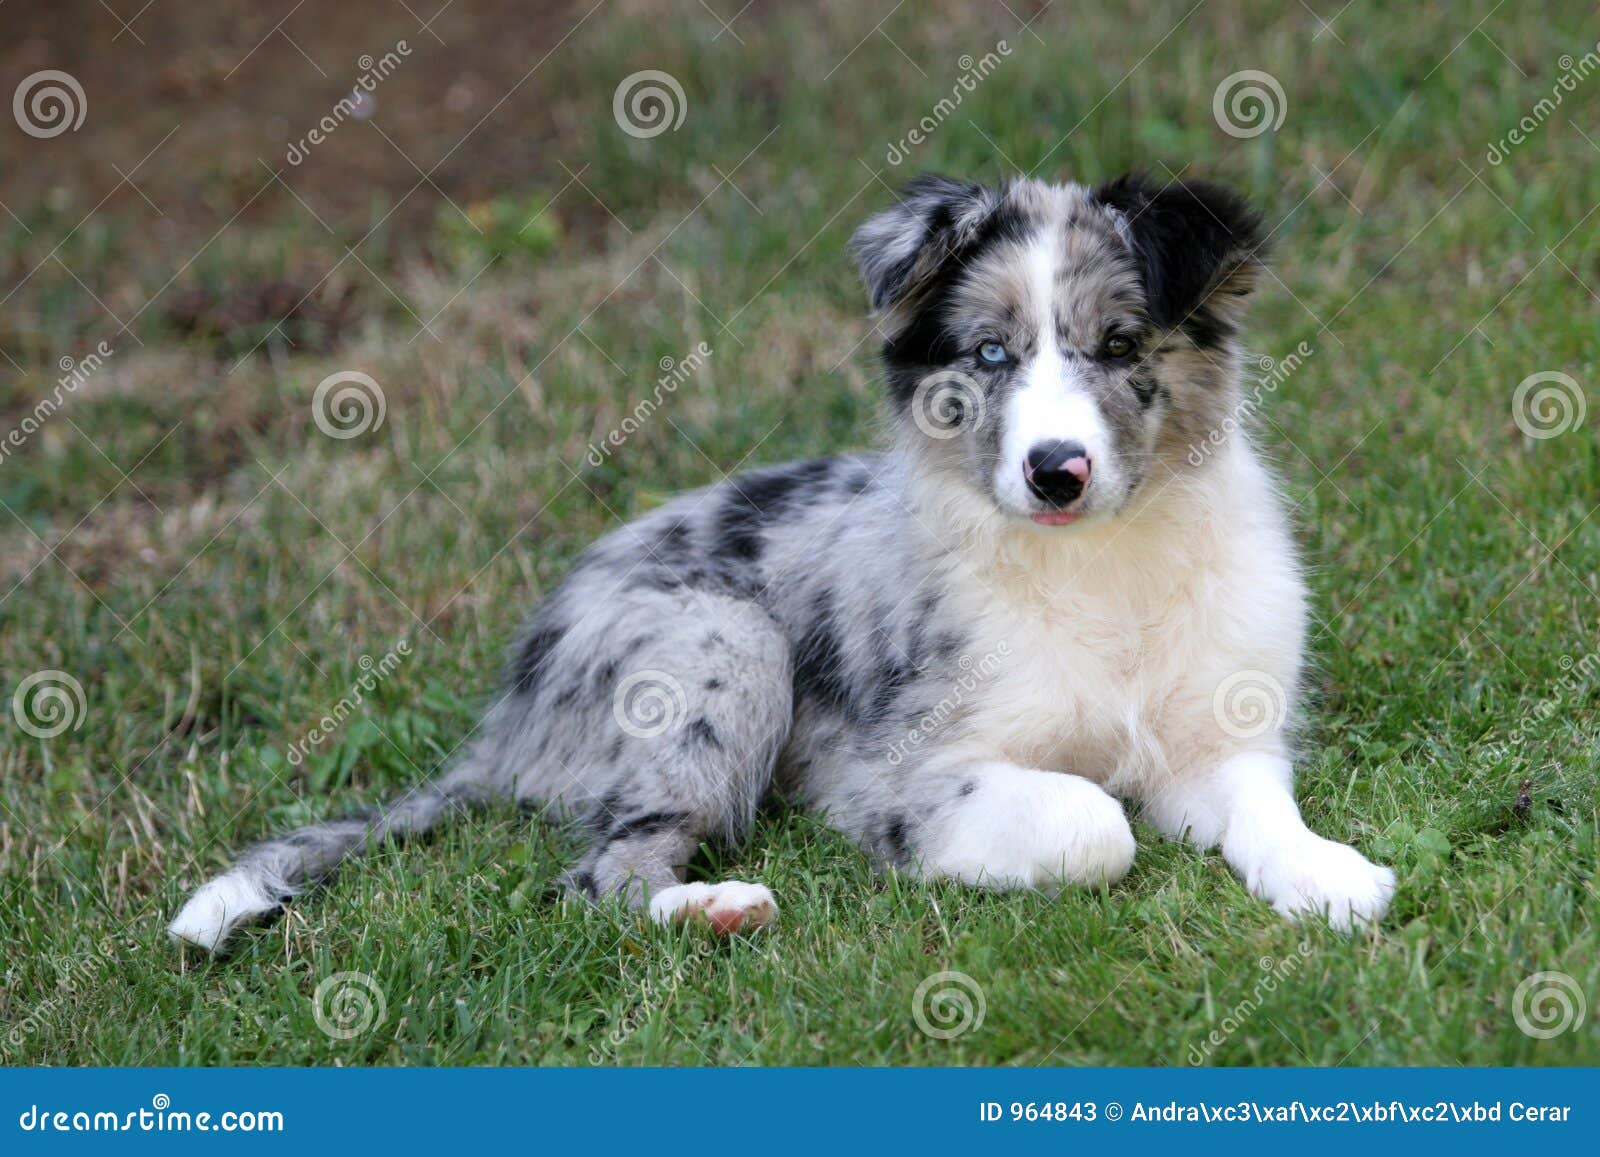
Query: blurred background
326, 326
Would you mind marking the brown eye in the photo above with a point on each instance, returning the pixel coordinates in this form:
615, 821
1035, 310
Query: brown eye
1118, 346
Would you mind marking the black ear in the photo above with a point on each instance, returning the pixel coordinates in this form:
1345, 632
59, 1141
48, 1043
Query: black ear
900, 249
1199, 246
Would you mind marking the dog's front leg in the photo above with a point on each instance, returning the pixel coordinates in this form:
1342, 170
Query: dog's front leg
1245, 805
998, 825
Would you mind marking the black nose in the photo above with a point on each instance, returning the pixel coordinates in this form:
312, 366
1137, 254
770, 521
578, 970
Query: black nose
1057, 472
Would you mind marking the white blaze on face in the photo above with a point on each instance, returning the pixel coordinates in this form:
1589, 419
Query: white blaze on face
1051, 402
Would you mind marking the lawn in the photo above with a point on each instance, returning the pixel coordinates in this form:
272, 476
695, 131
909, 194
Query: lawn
185, 542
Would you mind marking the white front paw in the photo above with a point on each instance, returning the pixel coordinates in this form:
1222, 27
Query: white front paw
1319, 877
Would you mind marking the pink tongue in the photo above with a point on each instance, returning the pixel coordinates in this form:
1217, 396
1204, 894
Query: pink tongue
1058, 519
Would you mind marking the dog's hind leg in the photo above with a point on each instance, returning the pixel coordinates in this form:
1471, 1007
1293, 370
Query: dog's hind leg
674, 706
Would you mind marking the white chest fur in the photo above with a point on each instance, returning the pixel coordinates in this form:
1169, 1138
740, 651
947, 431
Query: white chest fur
1116, 638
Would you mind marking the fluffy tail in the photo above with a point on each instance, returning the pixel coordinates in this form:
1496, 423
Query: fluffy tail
270, 873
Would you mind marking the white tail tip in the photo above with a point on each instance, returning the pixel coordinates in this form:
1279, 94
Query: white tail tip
219, 907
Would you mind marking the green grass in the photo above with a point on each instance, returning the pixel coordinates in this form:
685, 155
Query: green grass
216, 601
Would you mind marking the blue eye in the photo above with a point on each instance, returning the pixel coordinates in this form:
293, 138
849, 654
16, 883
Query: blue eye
993, 353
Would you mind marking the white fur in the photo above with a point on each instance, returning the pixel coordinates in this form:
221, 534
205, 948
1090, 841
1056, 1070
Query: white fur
1118, 636
220, 906
729, 906
1052, 403
1027, 828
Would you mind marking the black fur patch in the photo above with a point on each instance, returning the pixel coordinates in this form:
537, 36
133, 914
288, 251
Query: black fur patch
1188, 236
645, 825
760, 499
896, 840
818, 662
701, 731
1145, 387
528, 667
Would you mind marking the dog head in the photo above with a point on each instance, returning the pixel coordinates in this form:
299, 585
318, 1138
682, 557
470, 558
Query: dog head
1058, 347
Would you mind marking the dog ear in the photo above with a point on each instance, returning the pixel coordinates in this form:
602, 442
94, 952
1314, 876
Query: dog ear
900, 249
1199, 246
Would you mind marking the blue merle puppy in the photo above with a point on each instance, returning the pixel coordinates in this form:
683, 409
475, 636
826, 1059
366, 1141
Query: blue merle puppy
970, 652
